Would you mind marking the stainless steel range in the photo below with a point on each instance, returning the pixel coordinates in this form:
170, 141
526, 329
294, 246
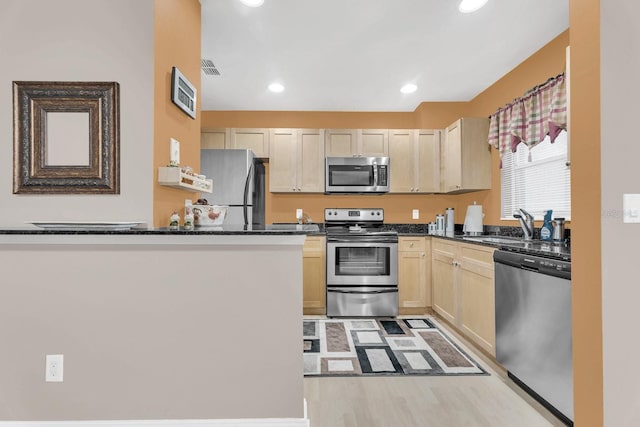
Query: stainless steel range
362, 264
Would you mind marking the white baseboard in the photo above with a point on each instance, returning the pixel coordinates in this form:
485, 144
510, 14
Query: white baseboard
253, 422
248, 422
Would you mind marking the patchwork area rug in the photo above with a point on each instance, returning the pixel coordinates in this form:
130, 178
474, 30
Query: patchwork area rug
374, 347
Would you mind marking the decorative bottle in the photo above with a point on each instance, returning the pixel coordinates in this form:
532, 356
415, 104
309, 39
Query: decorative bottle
547, 228
174, 221
188, 215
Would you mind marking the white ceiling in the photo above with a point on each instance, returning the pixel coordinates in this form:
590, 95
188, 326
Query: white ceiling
354, 55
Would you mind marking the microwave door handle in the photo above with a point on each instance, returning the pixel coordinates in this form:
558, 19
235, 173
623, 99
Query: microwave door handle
375, 174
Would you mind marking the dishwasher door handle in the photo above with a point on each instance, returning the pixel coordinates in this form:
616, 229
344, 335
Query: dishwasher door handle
526, 267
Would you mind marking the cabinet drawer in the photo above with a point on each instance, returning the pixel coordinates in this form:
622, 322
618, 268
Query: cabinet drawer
313, 244
411, 244
443, 245
477, 253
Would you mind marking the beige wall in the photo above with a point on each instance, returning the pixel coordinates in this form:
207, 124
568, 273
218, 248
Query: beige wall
177, 43
142, 338
79, 40
547, 62
620, 91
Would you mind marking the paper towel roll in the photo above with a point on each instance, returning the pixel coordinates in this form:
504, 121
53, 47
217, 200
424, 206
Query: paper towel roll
473, 220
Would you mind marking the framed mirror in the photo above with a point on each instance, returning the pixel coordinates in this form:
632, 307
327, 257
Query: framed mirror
66, 137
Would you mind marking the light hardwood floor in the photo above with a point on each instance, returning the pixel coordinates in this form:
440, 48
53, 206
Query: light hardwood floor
437, 401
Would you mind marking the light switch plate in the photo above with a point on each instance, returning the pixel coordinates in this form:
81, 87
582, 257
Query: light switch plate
416, 214
631, 208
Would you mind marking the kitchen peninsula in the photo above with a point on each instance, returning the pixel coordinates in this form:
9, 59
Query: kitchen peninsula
152, 321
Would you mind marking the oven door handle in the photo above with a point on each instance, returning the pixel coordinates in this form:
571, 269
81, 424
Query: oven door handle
376, 291
367, 240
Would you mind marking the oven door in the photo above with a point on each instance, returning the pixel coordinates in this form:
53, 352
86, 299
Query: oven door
353, 263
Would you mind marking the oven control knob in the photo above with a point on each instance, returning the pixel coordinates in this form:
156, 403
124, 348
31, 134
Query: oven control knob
378, 213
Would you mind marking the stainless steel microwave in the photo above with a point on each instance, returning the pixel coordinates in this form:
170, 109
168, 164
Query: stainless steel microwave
356, 175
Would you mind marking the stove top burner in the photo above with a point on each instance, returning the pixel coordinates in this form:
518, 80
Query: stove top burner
355, 223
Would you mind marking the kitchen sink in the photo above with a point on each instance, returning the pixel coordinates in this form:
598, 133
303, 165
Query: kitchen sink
495, 239
558, 250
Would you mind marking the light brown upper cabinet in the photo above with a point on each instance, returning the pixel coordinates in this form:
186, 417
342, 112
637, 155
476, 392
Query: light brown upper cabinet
255, 139
215, 138
415, 160
296, 160
466, 156
357, 142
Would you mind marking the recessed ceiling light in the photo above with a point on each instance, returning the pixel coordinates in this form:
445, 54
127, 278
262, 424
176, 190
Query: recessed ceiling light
468, 6
252, 3
408, 88
276, 87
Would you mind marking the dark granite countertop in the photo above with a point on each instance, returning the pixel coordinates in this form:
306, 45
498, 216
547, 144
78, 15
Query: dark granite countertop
269, 229
534, 247
560, 251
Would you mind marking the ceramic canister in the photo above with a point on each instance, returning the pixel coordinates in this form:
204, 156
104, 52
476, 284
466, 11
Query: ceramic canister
448, 222
431, 228
440, 225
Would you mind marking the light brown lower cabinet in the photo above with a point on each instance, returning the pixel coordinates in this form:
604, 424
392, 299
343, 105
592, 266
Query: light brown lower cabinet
414, 274
463, 289
314, 292
444, 278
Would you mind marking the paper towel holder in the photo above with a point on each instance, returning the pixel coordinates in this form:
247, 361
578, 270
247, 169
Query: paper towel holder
473, 220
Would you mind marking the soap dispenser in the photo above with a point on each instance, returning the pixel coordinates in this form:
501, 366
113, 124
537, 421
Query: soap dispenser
547, 229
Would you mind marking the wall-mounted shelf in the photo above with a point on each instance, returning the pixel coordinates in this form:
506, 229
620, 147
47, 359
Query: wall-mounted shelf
174, 177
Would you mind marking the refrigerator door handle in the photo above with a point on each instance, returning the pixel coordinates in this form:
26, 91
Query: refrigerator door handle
246, 195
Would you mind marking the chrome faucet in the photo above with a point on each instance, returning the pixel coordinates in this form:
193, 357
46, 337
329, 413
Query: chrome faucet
526, 222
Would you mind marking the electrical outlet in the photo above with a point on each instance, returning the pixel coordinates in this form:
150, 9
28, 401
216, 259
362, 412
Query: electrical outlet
416, 214
174, 158
299, 214
54, 368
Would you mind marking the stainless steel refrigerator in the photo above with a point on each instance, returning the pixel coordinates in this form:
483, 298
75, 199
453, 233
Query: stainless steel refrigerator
238, 182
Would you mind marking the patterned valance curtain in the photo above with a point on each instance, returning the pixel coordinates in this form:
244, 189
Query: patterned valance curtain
540, 112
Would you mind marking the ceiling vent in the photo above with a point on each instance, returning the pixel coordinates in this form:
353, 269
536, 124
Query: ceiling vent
208, 68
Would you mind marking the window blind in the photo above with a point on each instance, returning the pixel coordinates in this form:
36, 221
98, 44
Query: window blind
537, 179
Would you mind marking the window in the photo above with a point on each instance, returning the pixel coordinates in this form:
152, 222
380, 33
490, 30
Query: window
537, 180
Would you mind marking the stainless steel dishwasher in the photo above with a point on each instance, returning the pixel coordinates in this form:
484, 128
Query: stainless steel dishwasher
533, 327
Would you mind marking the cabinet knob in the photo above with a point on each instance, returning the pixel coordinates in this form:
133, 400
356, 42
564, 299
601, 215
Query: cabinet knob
417, 189
422, 254
411, 244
